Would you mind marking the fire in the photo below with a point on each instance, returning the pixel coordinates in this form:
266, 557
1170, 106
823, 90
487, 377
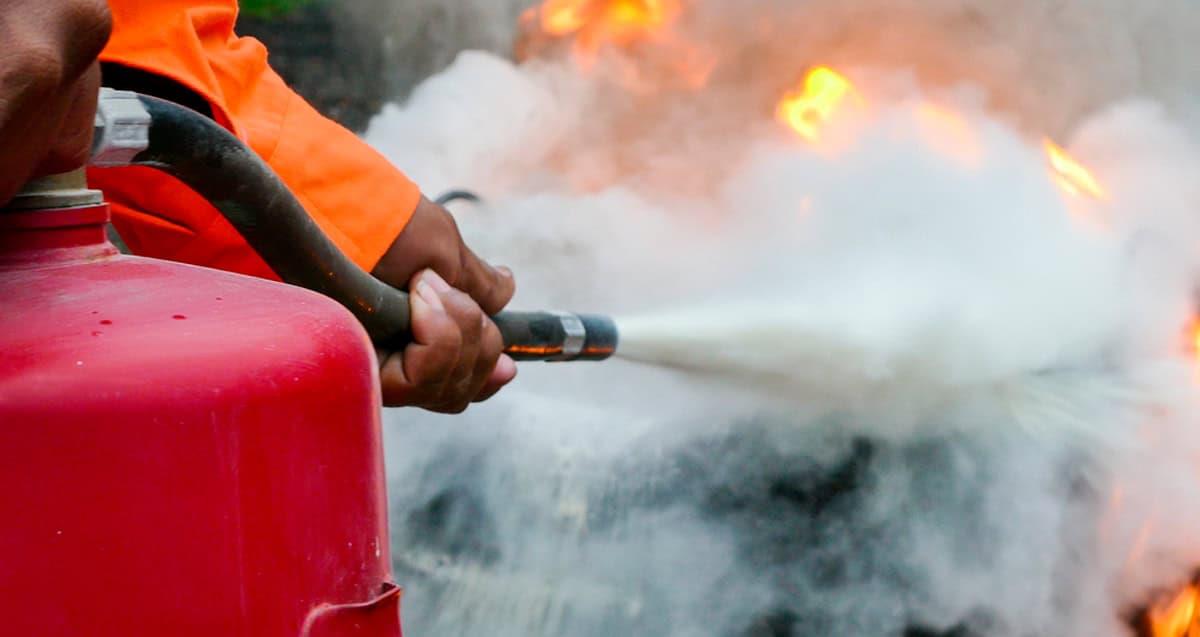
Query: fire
1178, 616
563, 17
619, 19
1192, 338
1191, 344
1196, 339
597, 23
1071, 175
634, 43
809, 108
651, 49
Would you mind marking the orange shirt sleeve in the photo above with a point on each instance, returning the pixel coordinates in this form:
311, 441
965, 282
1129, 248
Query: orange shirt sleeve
354, 194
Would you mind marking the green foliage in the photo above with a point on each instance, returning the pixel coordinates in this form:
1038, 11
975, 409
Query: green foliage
269, 8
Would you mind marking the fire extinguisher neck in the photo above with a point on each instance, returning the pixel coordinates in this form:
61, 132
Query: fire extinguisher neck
64, 190
54, 219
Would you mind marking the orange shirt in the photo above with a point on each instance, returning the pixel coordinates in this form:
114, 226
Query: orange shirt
354, 194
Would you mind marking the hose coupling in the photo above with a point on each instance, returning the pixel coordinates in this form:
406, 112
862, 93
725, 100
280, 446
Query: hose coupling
557, 336
122, 129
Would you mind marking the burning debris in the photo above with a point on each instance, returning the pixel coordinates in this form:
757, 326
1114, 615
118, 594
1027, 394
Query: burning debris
929, 393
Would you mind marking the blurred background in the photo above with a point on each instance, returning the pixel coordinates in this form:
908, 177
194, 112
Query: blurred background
350, 57
623, 501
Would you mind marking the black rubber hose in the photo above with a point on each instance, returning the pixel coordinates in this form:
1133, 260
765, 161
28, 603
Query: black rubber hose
457, 195
219, 167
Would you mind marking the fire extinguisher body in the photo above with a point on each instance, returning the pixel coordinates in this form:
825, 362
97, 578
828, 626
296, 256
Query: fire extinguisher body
182, 451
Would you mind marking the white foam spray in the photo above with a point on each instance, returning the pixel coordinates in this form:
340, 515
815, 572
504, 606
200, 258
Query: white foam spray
925, 388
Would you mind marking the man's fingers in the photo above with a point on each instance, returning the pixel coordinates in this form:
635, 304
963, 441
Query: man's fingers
73, 144
397, 391
418, 375
491, 287
470, 320
491, 347
502, 374
437, 340
455, 355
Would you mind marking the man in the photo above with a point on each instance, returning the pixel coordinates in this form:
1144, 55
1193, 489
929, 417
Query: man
186, 50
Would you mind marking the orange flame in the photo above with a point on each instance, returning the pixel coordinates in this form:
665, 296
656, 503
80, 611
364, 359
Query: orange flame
596, 23
809, 108
1178, 616
1071, 175
562, 17
1191, 345
655, 54
1192, 337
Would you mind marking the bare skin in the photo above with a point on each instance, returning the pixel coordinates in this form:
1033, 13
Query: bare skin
456, 357
49, 81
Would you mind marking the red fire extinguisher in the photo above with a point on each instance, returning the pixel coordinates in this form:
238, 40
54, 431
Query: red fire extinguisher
178, 456
182, 451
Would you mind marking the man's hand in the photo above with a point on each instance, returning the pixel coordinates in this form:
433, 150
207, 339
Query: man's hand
49, 82
456, 356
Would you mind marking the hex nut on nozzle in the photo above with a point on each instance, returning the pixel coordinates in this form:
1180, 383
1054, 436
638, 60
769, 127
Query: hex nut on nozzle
122, 129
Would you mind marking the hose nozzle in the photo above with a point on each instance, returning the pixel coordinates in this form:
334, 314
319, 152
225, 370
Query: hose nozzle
557, 336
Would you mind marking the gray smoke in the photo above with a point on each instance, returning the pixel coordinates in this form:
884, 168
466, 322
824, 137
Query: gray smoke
421, 37
620, 499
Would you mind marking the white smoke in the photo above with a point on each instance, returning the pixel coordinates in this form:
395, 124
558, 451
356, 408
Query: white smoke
950, 397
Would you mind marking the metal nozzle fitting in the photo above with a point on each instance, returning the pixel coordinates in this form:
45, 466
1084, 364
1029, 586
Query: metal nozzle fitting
122, 128
557, 336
